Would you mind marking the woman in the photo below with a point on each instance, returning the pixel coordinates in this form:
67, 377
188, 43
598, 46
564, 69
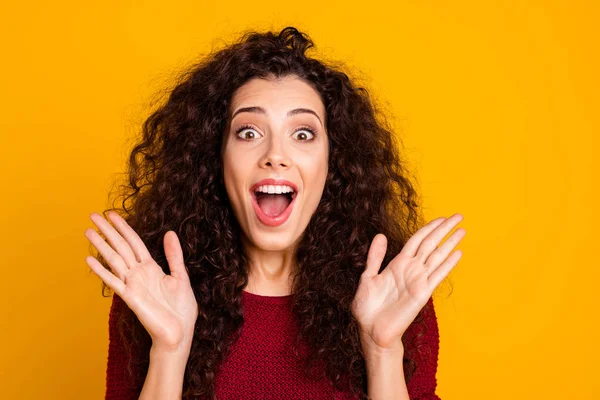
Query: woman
269, 247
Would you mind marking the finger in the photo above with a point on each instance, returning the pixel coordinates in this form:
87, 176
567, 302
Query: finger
376, 255
412, 245
112, 281
431, 242
438, 274
174, 255
113, 259
133, 239
441, 253
115, 239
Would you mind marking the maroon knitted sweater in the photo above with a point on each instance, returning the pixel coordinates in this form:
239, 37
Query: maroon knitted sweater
261, 364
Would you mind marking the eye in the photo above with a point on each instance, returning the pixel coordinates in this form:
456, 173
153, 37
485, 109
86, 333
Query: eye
305, 129
307, 133
244, 128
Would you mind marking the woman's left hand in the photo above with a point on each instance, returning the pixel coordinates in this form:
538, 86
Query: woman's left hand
386, 304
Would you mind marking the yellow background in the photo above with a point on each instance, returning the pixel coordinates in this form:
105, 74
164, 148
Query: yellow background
498, 102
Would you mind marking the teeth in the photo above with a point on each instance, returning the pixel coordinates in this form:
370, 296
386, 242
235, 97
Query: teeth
275, 189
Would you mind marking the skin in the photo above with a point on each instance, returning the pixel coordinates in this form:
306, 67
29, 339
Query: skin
276, 146
384, 305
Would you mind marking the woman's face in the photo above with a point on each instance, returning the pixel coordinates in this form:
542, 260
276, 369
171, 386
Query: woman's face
276, 131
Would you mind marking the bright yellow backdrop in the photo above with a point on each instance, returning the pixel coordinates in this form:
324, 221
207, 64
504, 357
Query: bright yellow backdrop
499, 106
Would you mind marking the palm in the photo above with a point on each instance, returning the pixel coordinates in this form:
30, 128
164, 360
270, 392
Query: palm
160, 302
386, 304
381, 298
164, 304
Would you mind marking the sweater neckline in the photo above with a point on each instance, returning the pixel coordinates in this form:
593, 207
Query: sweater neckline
266, 299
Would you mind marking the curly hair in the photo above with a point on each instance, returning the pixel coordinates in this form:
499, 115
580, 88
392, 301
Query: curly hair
175, 182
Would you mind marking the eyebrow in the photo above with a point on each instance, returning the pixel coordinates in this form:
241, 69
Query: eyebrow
260, 110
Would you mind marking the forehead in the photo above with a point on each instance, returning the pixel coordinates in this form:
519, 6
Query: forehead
277, 94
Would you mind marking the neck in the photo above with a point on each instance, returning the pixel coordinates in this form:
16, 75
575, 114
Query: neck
270, 271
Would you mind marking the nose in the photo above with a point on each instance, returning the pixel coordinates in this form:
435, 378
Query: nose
275, 155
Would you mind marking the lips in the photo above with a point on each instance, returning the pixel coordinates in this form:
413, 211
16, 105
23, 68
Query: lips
281, 218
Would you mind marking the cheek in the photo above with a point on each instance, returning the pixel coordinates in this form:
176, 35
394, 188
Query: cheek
314, 173
318, 168
236, 169
230, 173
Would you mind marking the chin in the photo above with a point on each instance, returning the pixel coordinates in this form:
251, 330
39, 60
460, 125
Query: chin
272, 241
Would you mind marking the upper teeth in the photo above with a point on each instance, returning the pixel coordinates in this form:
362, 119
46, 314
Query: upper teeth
274, 189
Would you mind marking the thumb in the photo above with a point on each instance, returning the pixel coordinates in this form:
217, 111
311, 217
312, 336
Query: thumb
174, 255
376, 255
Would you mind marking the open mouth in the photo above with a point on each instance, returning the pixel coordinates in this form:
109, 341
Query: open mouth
273, 209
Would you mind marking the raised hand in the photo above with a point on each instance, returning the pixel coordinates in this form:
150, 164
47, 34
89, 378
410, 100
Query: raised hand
386, 304
164, 304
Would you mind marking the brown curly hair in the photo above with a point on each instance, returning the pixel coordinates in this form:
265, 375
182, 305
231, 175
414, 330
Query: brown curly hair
175, 182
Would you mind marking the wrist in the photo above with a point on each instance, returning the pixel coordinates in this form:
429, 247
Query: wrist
372, 349
166, 372
171, 355
385, 373
176, 349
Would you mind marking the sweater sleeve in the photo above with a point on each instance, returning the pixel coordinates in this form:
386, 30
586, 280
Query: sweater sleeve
119, 385
423, 383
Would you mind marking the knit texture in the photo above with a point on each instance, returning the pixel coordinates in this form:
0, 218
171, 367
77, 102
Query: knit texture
261, 363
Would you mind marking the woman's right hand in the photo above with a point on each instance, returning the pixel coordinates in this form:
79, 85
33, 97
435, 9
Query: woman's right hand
164, 304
